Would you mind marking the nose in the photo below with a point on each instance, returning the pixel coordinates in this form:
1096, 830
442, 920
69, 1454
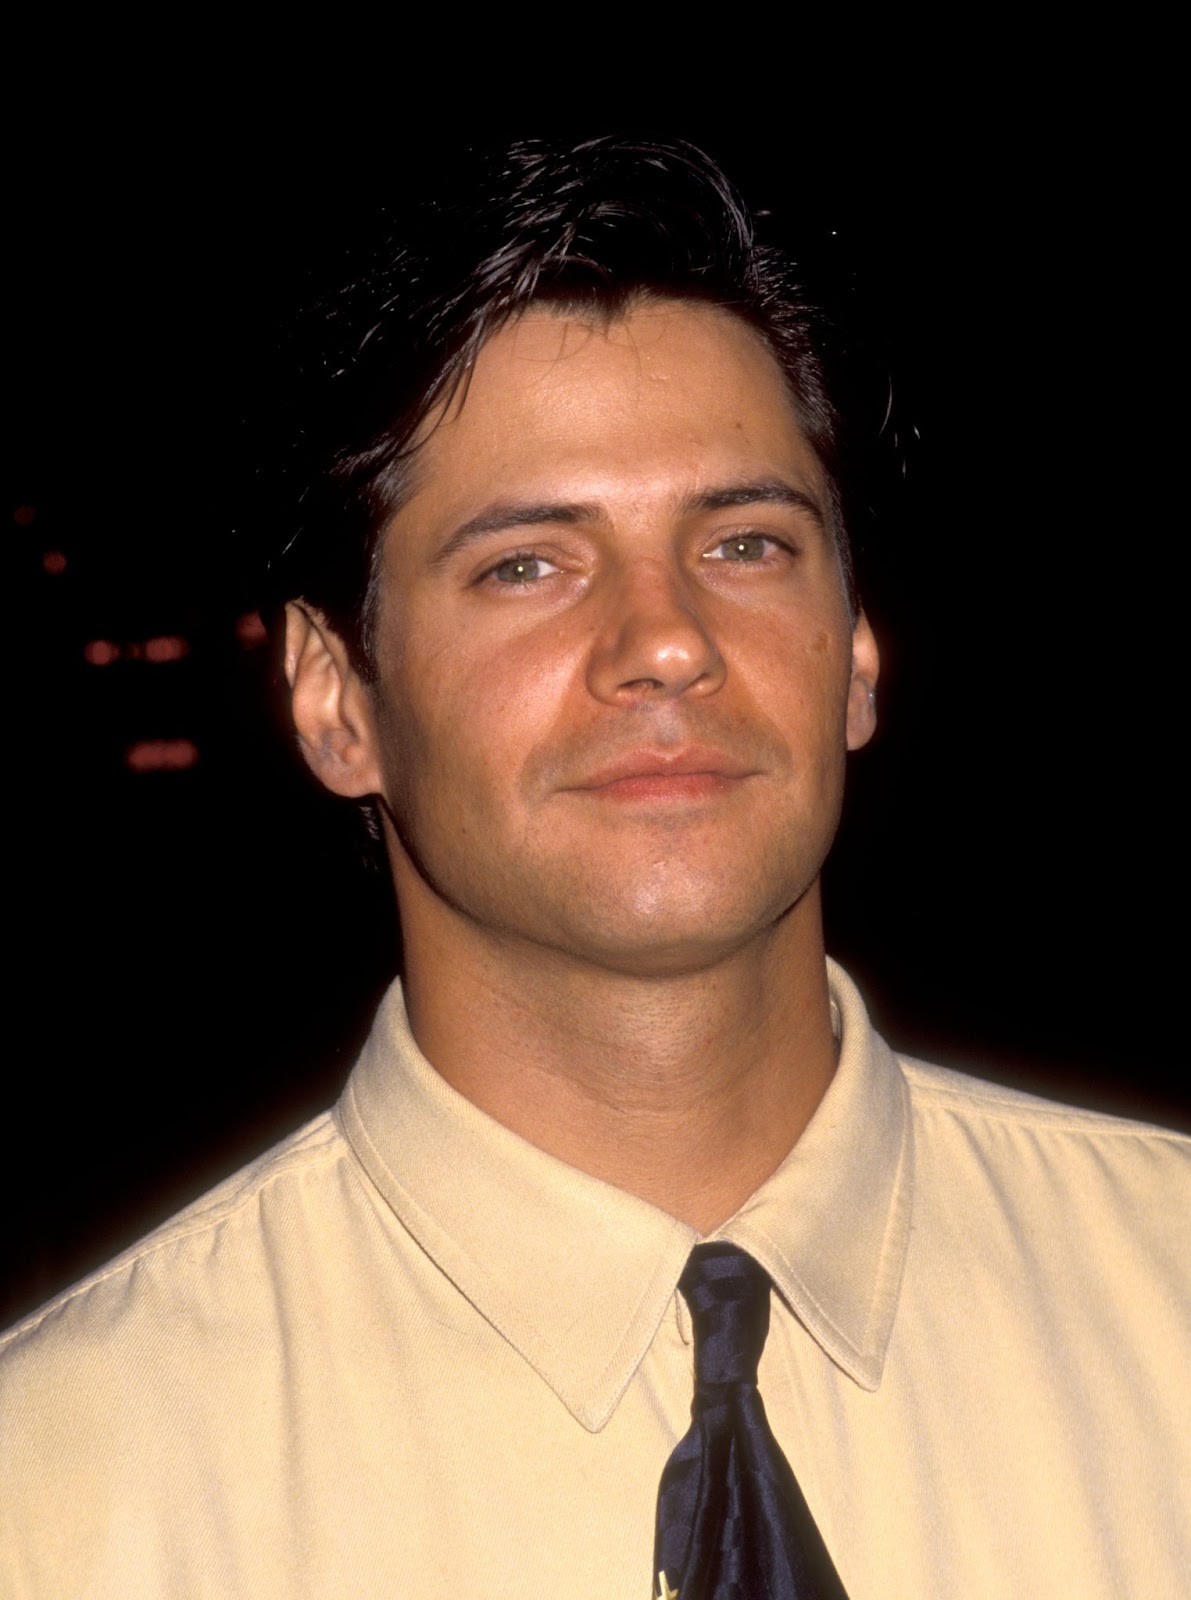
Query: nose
653, 641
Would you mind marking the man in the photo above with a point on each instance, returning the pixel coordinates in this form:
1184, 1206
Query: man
570, 606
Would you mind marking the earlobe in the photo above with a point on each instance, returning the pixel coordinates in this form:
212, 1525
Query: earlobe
330, 705
862, 689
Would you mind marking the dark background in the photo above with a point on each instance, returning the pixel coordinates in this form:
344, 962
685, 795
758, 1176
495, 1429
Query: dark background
196, 952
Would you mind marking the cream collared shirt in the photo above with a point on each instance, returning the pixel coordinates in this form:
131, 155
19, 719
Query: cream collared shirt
407, 1354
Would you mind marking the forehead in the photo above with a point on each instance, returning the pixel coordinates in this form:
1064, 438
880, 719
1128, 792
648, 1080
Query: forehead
669, 391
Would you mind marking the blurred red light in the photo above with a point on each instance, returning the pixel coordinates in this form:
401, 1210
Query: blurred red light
161, 755
24, 515
166, 647
54, 562
250, 630
101, 652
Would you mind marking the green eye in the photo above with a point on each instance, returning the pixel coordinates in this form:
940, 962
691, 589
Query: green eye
521, 569
744, 547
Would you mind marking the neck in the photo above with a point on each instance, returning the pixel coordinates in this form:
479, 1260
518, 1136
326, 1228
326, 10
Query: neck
687, 1090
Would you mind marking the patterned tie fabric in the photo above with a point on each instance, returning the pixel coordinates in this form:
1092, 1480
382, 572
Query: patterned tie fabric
731, 1522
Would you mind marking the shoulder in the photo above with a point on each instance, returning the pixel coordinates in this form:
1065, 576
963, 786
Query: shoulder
209, 1255
944, 1095
140, 1388
1054, 1179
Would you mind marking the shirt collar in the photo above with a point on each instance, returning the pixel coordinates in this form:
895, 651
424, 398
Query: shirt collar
577, 1275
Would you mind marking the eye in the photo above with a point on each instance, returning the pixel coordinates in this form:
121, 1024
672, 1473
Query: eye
745, 547
520, 570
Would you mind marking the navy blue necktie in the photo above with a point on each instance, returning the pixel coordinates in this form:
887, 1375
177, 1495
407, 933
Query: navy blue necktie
732, 1523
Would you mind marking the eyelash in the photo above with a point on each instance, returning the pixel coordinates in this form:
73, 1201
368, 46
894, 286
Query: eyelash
525, 557
532, 557
777, 545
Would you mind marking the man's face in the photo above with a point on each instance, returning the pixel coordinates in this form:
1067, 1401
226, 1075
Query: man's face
617, 676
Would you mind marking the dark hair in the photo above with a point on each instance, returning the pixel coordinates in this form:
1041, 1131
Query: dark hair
590, 228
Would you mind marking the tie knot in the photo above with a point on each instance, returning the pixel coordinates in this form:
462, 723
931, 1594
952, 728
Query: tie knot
728, 1296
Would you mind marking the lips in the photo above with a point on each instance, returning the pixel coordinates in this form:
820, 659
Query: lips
689, 771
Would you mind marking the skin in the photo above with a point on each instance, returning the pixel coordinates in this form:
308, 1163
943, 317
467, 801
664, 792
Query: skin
617, 683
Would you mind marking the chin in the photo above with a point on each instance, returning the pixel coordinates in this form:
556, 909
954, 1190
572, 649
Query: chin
668, 941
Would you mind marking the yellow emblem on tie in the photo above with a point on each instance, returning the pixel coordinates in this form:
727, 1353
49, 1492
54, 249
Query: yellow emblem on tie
664, 1590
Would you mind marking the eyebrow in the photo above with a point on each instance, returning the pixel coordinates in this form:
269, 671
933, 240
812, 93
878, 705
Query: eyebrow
507, 515
762, 492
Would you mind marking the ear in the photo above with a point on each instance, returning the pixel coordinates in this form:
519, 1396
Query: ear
330, 705
862, 690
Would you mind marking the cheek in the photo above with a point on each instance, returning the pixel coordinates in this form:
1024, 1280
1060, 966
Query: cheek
516, 690
800, 673
463, 727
